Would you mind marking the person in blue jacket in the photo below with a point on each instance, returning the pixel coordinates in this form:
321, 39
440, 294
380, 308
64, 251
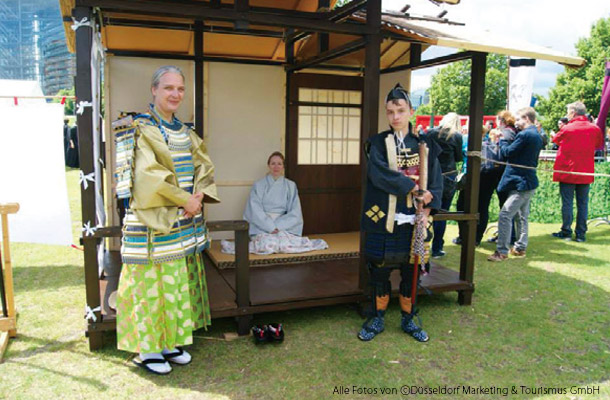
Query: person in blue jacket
389, 212
519, 183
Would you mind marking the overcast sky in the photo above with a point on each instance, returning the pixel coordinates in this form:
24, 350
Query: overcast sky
556, 24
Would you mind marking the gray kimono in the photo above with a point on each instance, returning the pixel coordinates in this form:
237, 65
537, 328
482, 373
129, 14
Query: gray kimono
274, 204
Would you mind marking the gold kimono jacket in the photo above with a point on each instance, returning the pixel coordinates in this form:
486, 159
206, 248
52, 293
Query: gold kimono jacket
155, 229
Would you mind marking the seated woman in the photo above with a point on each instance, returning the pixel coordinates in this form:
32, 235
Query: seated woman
274, 213
274, 204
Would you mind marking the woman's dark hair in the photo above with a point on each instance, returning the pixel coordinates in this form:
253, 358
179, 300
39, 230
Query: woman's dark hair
276, 154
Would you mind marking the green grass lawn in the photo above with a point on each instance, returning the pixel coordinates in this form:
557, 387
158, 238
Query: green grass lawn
539, 322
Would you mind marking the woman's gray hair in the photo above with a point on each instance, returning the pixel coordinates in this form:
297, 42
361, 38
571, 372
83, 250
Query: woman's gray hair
449, 125
156, 78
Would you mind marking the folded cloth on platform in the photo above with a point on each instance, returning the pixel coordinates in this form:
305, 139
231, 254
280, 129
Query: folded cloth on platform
281, 242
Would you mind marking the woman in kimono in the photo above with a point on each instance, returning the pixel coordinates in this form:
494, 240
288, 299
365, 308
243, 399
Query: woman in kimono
162, 294
274, 204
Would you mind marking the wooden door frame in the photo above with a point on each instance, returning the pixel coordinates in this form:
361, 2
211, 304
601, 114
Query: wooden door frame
316, 81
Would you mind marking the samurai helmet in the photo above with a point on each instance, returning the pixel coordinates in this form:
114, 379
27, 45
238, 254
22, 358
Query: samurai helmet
398, 93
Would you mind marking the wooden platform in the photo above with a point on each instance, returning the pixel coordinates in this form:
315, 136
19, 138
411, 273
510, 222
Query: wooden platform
292, 286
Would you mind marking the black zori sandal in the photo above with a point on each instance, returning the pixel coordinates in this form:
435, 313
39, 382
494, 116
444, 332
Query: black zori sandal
145, 365
275, 332
260, 334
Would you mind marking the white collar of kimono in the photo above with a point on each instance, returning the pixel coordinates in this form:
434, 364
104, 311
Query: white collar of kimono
272, 180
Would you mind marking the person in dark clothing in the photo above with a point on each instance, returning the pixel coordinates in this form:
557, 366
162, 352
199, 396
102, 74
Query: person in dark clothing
492, 173
448, 137
388, 218
66, 140
72, 153
540, 129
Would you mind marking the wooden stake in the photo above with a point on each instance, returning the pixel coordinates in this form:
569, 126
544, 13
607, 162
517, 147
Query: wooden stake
7, 325
5, 209
3, 344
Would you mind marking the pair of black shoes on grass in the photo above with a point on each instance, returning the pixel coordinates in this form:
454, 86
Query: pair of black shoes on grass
268, 333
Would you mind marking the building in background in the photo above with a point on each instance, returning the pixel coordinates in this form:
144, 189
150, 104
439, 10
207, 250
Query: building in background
58, 66
420, 97
30, 35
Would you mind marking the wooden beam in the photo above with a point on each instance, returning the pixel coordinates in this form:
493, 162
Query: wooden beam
198, 43
415, 57
323, 42
455, 216
370, 108
329, 55
3, 344
9, 208
218, 226
7, 265
296, 36
475, 129
269, 17
289, 48
241, 6
7, 324
463, 55
242, 265
323, 39
84, 121
227, 30
172, 56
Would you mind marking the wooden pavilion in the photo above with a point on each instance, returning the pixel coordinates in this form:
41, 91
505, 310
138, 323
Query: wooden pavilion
292, 61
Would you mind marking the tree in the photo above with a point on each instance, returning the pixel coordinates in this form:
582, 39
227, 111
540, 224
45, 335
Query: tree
69, 104
450, 87
580, 84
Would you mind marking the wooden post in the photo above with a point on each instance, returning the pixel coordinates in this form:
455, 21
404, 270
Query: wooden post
323, 38
84, 121
242, 279
289, 61
471, 198
8, 325
370, 107
199, 99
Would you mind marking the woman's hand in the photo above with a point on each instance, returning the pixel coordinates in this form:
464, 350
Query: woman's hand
193, 205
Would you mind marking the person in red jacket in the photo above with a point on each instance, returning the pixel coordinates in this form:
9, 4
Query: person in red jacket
577, 142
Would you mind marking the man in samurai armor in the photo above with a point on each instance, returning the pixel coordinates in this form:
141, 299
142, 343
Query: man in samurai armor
393, 192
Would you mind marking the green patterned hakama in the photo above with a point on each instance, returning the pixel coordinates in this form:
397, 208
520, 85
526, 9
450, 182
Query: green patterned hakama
160, 305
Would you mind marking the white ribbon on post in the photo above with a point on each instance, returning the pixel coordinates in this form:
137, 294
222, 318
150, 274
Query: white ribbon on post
90, 313
82, 178
88, 229
83, 22
80, 107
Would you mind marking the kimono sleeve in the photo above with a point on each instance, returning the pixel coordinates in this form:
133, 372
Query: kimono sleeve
382, 177
204, 171
255, 213
153, 183
292, 221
